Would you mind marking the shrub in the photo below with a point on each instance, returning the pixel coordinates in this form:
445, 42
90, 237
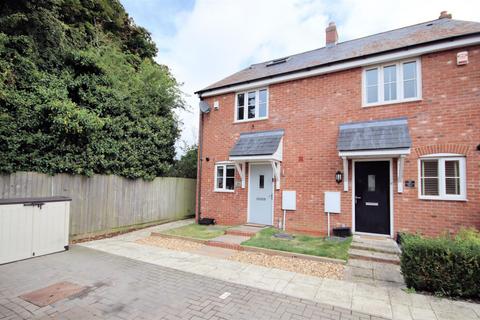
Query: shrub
443, 265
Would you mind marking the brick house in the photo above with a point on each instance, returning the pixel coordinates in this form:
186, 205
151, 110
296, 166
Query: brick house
390, 122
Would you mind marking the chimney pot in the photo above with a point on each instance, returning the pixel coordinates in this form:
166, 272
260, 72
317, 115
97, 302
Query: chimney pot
445, 15
331, 35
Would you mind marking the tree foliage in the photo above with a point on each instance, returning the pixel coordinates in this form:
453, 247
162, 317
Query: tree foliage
186, 166
80, 92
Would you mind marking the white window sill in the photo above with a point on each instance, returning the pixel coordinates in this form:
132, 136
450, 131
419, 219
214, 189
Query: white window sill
224, 191
250, 120
386, 103
442, 199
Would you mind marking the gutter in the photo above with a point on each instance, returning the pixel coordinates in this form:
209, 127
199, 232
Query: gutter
409, 51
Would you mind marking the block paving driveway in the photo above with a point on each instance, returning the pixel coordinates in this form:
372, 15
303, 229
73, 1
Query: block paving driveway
122, 288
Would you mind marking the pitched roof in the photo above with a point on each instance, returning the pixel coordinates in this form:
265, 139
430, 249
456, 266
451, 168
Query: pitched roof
257, 143
418, 34
374, 135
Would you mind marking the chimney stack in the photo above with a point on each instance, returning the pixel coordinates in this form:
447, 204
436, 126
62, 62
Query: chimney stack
445, 15
331, 38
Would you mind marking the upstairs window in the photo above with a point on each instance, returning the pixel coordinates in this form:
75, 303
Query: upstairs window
442, 178
392, 83
224, 177
251, 105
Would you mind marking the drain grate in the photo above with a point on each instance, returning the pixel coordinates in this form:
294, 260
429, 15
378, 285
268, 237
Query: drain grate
51, 294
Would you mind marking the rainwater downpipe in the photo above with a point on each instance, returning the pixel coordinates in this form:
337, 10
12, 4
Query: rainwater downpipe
199, 166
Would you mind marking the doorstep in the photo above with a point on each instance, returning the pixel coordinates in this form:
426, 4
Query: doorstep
378, 249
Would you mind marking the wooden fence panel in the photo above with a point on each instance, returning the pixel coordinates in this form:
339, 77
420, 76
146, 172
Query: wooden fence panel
102, 203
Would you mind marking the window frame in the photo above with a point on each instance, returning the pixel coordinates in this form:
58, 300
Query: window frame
224, 178
441, 158
245, 105
399, 83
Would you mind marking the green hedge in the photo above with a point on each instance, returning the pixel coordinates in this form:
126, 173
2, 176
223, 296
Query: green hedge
444, 265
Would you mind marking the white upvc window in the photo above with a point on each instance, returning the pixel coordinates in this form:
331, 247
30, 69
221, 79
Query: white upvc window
392, 83
442, 177
251, 105
224, 177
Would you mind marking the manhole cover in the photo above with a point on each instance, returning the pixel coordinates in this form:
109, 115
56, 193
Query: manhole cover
52, 294
284, 236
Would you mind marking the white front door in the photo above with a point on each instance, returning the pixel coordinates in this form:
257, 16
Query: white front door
261, 194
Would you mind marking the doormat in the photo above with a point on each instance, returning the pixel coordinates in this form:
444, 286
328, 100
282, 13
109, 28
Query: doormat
51, 294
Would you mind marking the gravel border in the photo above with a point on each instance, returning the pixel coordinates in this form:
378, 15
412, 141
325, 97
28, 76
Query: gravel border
271, 252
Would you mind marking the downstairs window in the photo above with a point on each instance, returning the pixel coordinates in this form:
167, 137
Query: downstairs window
224, 177
442, 178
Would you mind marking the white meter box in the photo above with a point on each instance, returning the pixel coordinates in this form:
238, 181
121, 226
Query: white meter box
289, 200
332, 202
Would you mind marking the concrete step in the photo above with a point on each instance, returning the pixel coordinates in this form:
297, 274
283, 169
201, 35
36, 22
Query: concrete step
244, 230
228, 241
375, 243
373, 256
376, 247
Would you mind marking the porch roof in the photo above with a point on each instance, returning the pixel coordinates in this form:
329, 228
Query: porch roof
377, 135
259, 143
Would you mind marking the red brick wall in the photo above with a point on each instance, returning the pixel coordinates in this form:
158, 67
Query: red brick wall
310, 111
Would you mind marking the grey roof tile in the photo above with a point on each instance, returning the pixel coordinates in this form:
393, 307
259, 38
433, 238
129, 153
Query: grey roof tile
257, 143
374, 135
422, 33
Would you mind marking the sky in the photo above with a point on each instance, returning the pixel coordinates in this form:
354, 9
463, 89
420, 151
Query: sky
203, 41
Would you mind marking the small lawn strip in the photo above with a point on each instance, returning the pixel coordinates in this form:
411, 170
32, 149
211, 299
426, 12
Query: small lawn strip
197, 231
316, 246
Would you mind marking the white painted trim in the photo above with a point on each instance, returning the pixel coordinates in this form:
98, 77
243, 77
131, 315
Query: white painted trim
375, 153
391, 195
276, 173
345, 174
241, 171
249, 188
400, 169
399, 83
360, 62
441, 177
245, 105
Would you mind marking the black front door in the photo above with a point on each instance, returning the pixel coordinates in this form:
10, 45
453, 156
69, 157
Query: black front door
372, 200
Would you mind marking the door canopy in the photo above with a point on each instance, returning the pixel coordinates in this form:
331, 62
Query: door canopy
258, 146
387, 138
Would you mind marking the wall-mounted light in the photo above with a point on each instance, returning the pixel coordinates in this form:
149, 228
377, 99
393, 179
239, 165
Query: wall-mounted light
338, 176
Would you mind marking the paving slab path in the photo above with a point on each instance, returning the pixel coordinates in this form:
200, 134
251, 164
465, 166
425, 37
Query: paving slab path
119, 288
374, 261
386, 302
